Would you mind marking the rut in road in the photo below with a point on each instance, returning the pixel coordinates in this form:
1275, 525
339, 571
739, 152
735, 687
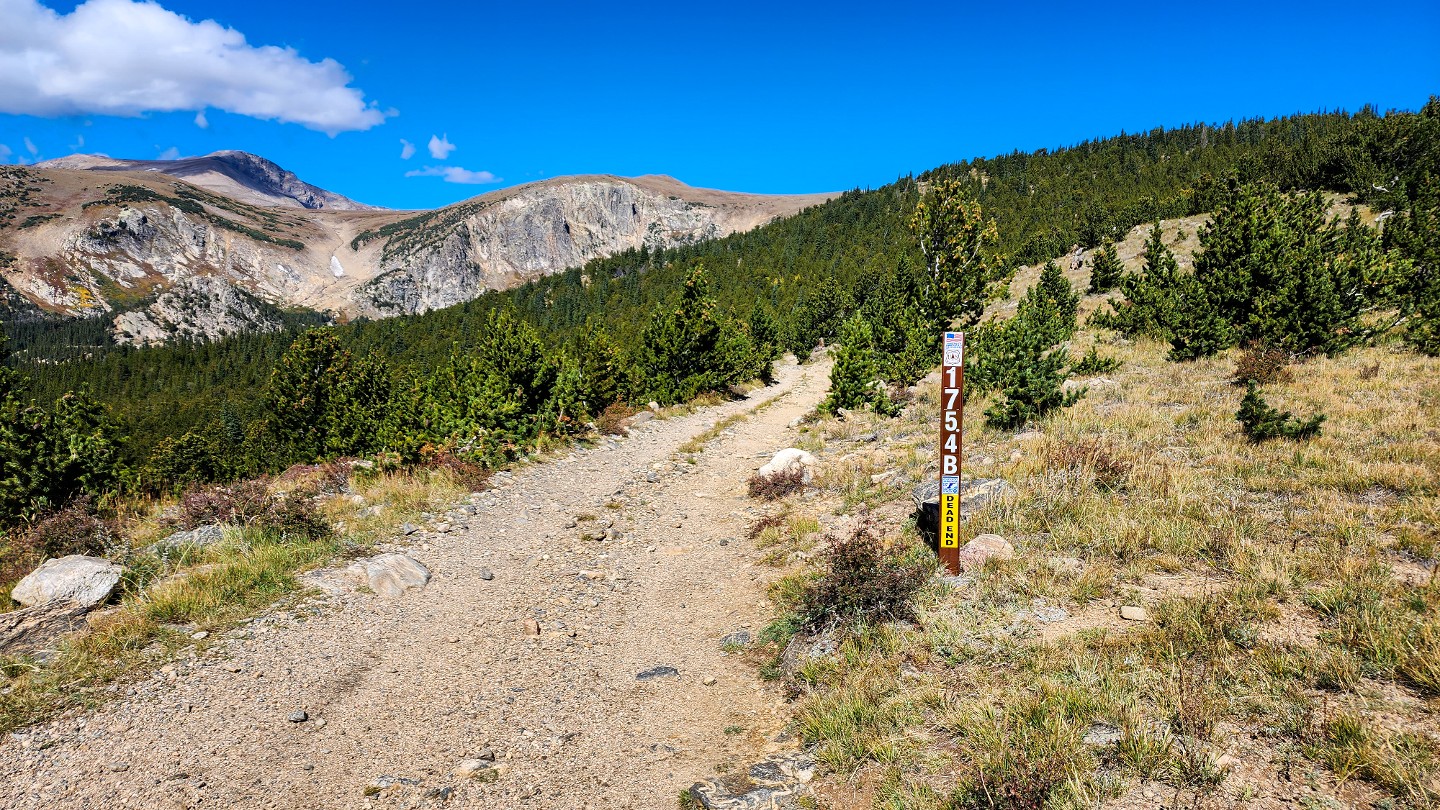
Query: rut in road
398, 692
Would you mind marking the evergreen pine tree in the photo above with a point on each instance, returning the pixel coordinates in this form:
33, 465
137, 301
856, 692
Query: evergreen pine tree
1151, 306
853, 383
1105, 269
965, 269
1260, 422
1414, 235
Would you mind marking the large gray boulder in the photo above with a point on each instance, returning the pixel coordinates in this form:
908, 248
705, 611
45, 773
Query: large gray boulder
391, 575
87, 581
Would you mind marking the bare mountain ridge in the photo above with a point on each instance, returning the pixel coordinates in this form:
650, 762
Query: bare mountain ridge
114, 237
238, 175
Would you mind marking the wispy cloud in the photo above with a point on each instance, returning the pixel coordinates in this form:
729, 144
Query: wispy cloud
122, 57
79, 143
31, 148
440, 147
173, 153
407, 149
4, 153
455, 174
201, 121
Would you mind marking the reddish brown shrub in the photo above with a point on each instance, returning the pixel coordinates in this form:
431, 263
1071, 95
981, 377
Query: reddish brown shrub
864, 581
1263, 366
468, 474
611, 421
775, 486
768, 522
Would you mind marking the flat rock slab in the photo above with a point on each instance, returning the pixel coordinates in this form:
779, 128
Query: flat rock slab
201, 537
391, 575
780, 782
33, 628
87, 581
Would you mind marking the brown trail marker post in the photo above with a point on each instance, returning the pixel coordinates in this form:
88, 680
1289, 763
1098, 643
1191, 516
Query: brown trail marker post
952, 415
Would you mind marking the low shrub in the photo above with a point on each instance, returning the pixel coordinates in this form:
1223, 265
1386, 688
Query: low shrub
1092, 364
1263, 366
72, 530
467, 474
1108, 467
864, 581
777, 485
1260, 422
768, 522
611, 421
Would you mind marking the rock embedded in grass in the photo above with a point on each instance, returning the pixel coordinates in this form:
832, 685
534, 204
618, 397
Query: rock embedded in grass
86, 581
982, 549
1134, 613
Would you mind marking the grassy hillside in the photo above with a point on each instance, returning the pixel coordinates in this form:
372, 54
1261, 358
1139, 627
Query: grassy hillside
1285, 651
808, 270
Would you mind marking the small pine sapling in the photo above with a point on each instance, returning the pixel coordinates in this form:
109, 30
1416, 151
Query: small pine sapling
1260, 422
1105, 269
1092, 364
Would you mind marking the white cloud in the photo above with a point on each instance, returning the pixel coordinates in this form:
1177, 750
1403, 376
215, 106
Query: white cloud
122, 57
79, 143
4, 153
455, 174
31, 148
440, 148
201, 121
407, 149
173, 153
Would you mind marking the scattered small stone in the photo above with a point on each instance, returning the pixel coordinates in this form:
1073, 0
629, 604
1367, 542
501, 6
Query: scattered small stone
1134, 613
657, 672
118, 767
709, 680
1050, 614
200, 636
532, 627
1102, 734
468, 768
486, 574
297, 717
453, 639
485, 754
739, 638
409, 529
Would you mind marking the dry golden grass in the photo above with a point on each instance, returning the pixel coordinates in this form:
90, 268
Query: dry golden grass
1295, 611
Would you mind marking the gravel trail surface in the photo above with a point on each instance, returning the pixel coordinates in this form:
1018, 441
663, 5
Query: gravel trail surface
580, 673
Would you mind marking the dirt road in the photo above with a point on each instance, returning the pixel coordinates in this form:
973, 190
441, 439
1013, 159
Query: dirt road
398, 692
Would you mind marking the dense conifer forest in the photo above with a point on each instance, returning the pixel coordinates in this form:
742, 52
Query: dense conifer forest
495, 377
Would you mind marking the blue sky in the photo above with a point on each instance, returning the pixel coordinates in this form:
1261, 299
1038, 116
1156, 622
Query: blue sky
763, 97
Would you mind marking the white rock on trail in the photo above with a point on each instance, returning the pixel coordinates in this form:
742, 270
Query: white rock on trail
87, 581
391, 575
789, 459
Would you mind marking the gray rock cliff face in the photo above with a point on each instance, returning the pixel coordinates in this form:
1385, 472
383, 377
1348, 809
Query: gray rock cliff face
141, 247
523, 237
199, 308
